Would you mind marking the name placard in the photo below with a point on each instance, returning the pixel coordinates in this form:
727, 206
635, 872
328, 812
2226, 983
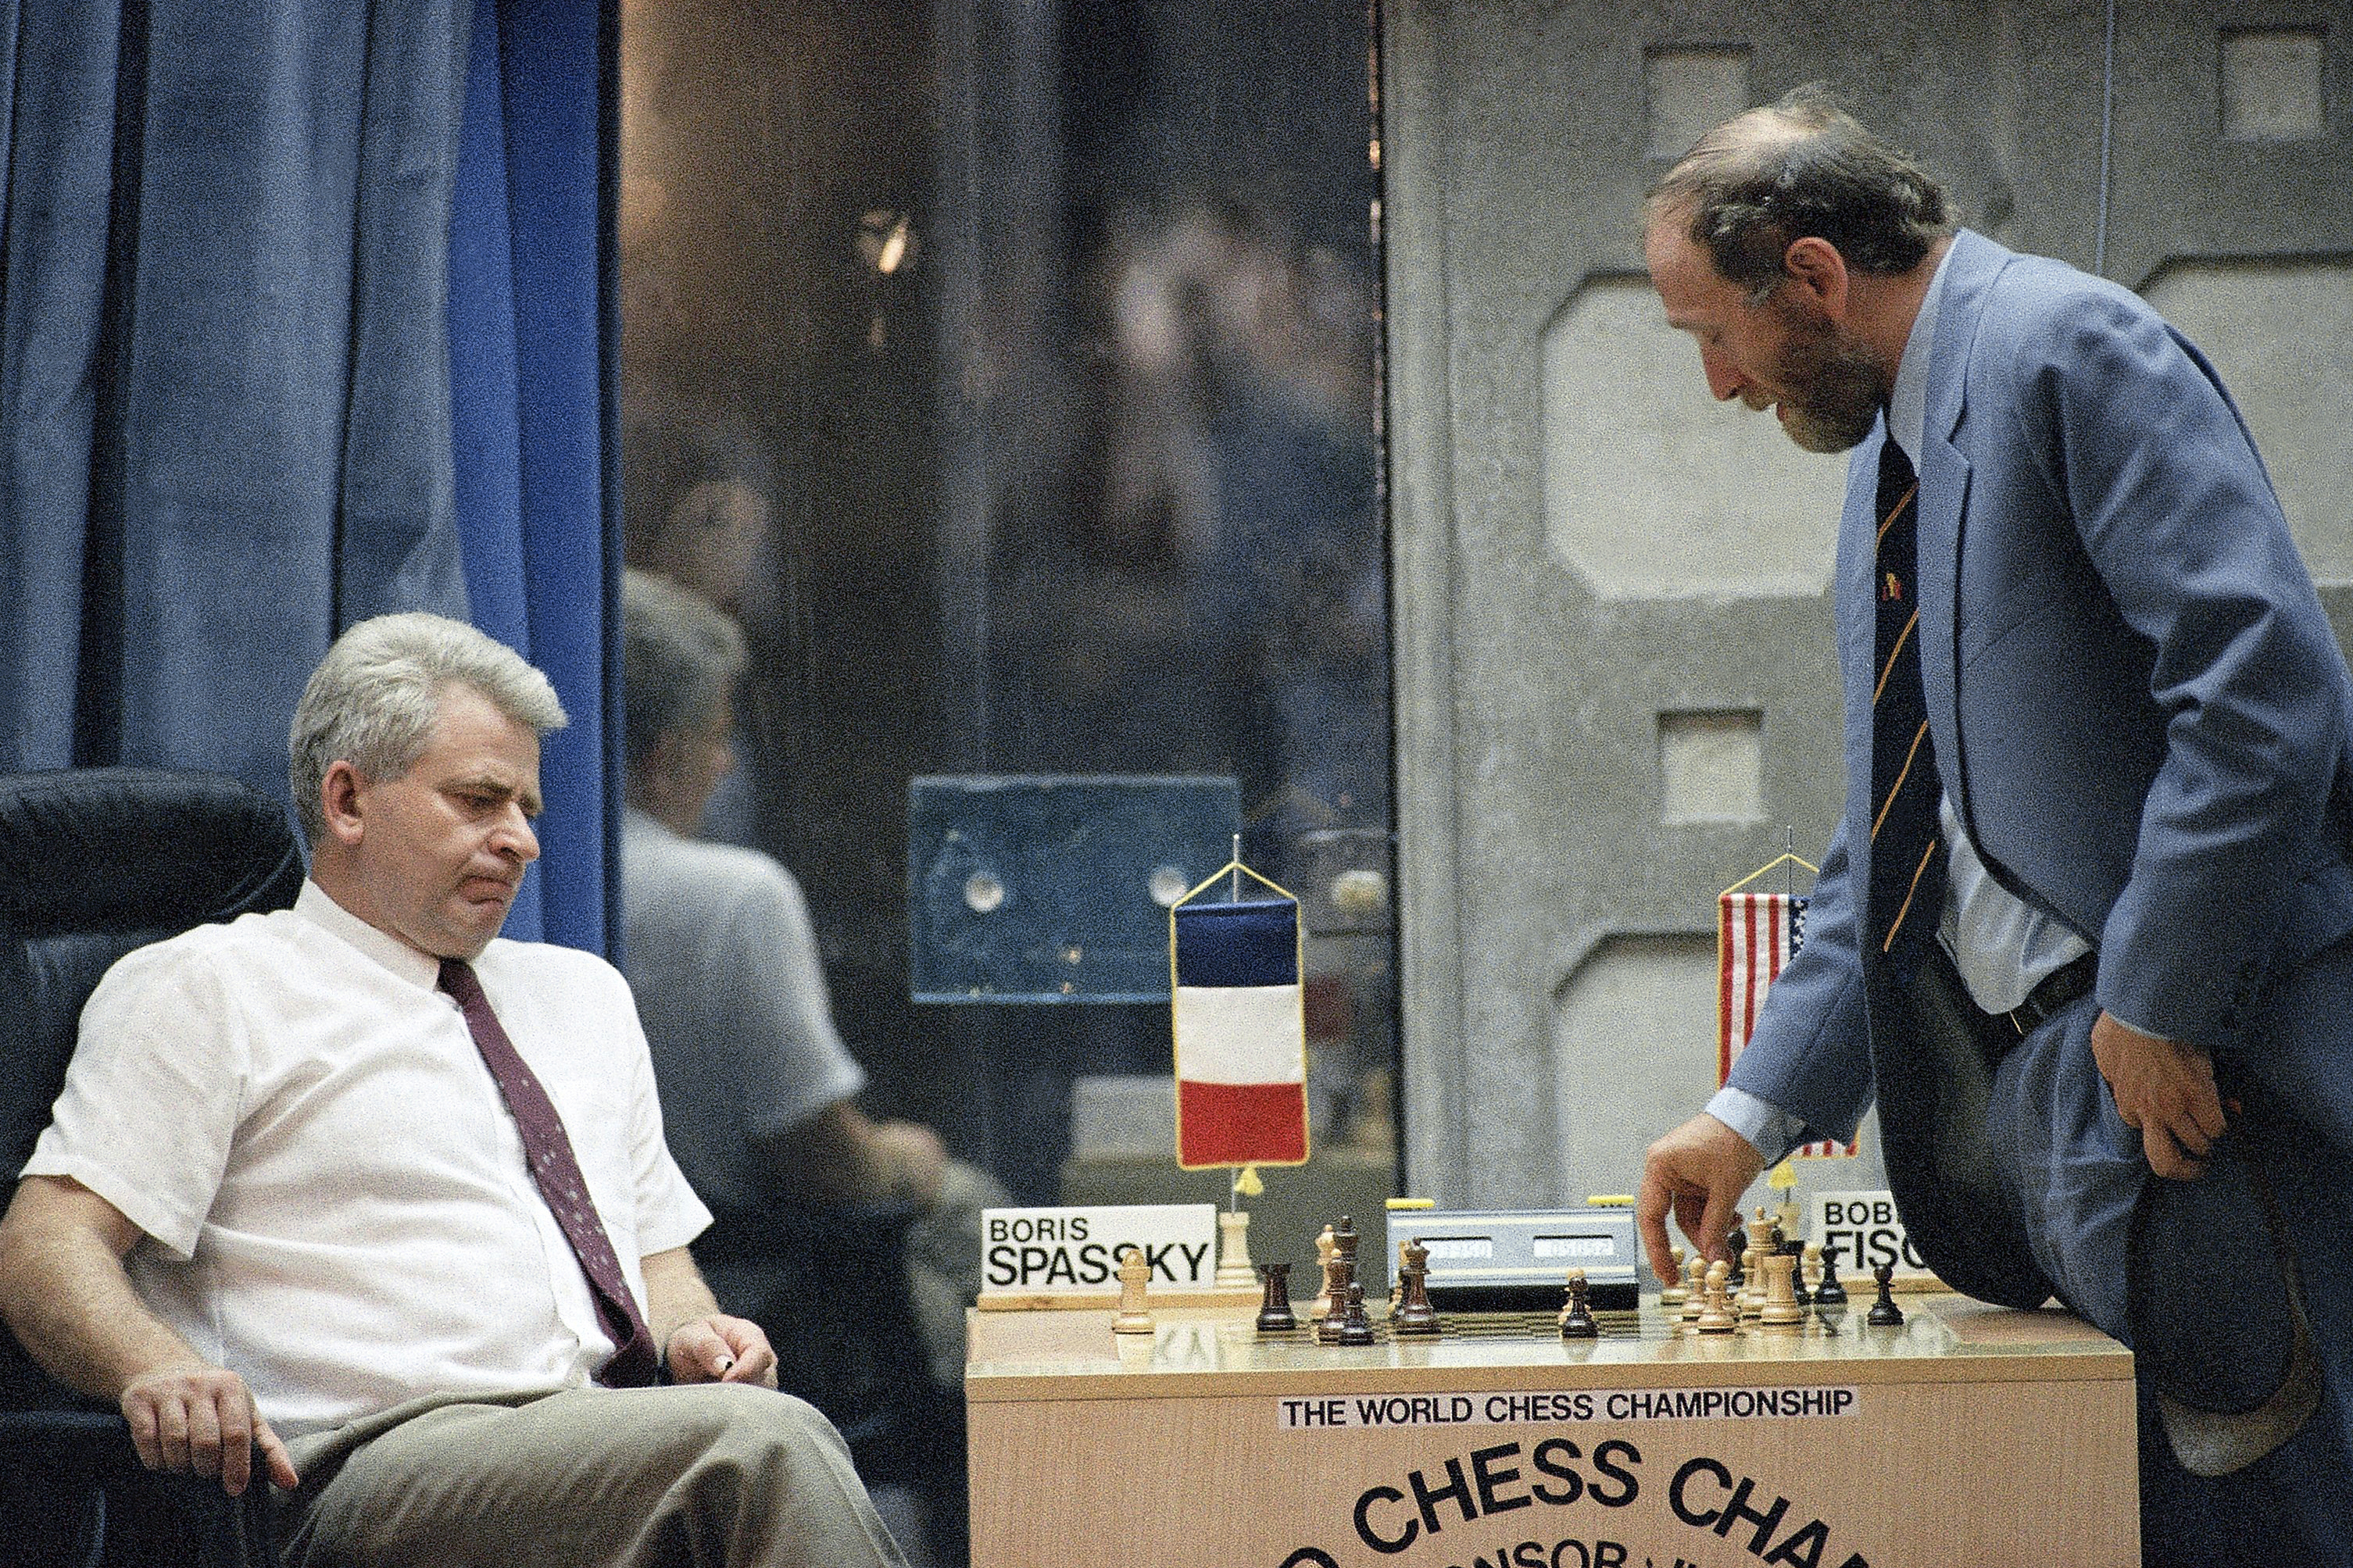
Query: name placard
1075, 1252
1868, 1232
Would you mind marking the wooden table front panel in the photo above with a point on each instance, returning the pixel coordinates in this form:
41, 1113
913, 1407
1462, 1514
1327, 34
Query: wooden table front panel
1971, 1435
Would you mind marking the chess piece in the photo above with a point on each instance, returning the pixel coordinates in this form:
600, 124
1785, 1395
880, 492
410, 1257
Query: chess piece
1413, 1315
1275, 1313
1762, 1244
1132, 1319
1234, 1270
1672, 1295
1798, 1292
1576, 1315
1341, 1274
1354, 1327
1884, 1314
1779, 1309
1832, 1292
1695, 1269
1325, 1250
1733, 1245
1716, 1316
1344, 1242
1694, 1289
1810, 1273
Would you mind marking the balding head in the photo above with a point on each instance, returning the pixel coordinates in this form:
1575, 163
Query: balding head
1799, 167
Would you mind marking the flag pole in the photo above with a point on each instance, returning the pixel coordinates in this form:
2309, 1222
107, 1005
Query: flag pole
1234, 896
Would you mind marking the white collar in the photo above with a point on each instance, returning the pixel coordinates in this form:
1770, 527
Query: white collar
319, 906
1907, 402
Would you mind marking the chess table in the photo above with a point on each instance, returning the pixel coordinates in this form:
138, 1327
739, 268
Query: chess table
1970, 1434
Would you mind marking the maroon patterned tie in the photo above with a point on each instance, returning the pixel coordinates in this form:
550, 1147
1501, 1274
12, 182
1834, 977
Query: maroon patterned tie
549, 1154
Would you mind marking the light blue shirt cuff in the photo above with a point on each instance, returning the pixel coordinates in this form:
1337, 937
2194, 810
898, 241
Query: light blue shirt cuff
1773, 1131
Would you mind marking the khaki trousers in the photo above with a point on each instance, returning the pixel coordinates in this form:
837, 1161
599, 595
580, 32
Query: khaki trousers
583, 1477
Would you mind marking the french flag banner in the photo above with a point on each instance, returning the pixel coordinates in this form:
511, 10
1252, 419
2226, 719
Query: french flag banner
1241, 1033
1755, 936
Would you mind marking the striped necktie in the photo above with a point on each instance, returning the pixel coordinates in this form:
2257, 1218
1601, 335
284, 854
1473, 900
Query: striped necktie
553, 1165
1907, 872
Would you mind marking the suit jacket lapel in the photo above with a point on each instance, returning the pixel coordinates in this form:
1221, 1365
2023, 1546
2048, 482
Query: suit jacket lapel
1855, 594
1944, 486
1944, 473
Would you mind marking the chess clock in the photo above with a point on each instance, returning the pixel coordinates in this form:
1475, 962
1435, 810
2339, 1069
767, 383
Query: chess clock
1518, 1260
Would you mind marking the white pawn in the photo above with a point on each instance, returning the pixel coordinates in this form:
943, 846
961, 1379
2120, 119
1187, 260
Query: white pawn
1717, 1316
1134, 1271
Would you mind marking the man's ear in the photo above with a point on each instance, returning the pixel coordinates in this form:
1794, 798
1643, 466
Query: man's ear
1815, 266
339, 802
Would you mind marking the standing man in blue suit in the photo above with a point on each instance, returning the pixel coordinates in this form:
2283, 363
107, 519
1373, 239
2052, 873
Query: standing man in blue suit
2099, 738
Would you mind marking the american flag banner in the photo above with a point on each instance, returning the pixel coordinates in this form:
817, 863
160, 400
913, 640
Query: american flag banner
1755, 936
1240, 1021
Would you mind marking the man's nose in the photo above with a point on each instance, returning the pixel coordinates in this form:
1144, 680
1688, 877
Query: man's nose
1724, 378
514, 836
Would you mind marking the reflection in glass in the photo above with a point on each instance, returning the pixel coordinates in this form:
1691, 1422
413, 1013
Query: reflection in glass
1009, 369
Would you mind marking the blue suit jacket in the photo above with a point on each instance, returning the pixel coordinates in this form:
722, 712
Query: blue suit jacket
2136, 702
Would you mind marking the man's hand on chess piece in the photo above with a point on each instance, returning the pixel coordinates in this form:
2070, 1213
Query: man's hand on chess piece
2165, 1089
1699, 1171
721, 1348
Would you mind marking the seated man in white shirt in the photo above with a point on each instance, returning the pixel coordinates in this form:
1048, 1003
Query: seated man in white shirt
284, 1211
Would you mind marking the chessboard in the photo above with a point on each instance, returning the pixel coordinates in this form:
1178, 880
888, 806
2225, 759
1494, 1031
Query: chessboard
1648, 1323
1652, 1321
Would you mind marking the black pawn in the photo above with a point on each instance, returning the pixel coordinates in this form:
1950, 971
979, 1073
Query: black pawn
1356, 1328
1737, 1279
1576, 1317
1829, 1292
1275, 1314
1884, 1314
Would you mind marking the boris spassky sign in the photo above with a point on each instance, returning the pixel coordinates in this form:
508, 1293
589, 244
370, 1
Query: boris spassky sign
1050, 1251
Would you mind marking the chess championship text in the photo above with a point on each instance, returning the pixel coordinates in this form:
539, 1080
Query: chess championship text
1298, 1415
1476, 1488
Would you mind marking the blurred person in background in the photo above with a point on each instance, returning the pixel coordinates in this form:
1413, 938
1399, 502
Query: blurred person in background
759, 1089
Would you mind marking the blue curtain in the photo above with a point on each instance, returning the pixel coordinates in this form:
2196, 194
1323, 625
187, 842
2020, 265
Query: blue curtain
303, 317
531, 347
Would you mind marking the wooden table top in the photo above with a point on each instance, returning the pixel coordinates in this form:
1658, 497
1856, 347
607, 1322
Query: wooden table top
1199, 1352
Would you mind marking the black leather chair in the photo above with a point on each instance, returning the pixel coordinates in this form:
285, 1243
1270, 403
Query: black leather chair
94, 862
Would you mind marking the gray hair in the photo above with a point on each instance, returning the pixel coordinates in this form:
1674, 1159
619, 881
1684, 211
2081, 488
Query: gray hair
1801, 166
374, 700
680, 656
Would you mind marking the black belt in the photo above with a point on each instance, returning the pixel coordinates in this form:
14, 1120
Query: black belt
2069, 983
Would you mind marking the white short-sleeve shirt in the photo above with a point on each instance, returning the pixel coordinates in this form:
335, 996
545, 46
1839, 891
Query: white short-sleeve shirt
333, 1193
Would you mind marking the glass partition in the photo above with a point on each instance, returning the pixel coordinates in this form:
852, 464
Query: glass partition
1010, 371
